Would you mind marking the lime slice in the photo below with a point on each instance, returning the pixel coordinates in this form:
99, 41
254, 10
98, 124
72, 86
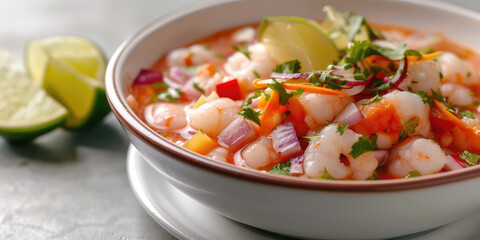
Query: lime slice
71, 70
26, 110
290, 38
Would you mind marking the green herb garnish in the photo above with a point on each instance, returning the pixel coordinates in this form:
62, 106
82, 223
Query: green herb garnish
467, 114
281, 168
326, 175
256, 74
293, 66
413, 174
374, 176
243, 49
361, 146
425, 97
250, 114
342, 128
408, 128
196, 86
377, 98
470, 158
283, 94
438, 96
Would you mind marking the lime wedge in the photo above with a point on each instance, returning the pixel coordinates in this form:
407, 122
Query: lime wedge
71, 70
290, 38
26, 110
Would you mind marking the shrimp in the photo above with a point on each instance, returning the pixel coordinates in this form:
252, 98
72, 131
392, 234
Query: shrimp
422, 76
387, 117
205, 79
218, 154
457, 94
457, 70
212, 117
194, 55
245, 69
259, 153
416, 154
324, 154
321, 108
165, 116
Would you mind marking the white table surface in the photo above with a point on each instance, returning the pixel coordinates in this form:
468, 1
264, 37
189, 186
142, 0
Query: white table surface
73, 185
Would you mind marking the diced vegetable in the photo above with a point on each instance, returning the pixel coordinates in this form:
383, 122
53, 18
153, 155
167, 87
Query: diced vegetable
350, 115
296, 166
229, 89
285, 141
148, 77
272, 114
236, 133
202, 99
200, 143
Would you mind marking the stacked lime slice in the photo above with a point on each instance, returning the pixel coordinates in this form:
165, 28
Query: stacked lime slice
71, 69
290, 38
26, 111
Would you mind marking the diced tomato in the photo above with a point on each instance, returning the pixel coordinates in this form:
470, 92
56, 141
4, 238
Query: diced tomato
229, 89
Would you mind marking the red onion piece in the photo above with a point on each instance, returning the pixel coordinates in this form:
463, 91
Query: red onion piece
381, 156
191, 91
238, 159
147, 77
285, 141
452, 163
290, 75
296, 166
179, 75
236, 133
351, 115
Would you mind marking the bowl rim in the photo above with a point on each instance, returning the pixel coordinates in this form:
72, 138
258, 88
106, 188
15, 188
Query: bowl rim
141, 130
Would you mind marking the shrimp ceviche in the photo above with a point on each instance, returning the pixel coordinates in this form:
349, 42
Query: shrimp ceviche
337, 99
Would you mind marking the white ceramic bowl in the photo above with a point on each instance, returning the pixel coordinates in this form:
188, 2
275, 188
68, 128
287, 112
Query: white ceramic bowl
285, 205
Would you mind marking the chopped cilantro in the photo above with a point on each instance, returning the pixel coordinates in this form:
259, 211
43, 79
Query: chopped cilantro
283, 94
469, 74
413, 174
414, 81
243, 49
281, 168
361, 75
361, 146
348, 66
288, 67
374, 176
169, 94
326, 175
411, 52
471, 94
428, 51
467, 114
196, 86
362, 49
342, 128
377, 98
250, 114
256, 74
408, 128
312, 138
376, 69
470, 158
159, 84
255, 95
201, 130
438, 96
425, 97
440, 74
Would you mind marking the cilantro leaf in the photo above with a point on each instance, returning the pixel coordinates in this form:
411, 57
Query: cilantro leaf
256, 74
467, 114
298, 92
326, 175
288, 67
281, 168
342, 128
470, 158
373, 177
169, 94
312, 138
243, 49
284, 96
377, 98
250, 114
361, 146
411, 52
196, 86
362, 49
255, 95
437, 96
413, 174
408, 128
425, 97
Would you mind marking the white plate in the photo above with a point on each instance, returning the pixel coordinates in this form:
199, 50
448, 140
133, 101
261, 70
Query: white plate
185, 218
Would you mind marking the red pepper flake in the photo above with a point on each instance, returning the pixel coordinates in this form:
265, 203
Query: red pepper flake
229, 89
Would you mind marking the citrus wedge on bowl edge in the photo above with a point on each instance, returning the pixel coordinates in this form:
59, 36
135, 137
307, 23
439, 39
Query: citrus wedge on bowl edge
26, 110
289, 38
71, 69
